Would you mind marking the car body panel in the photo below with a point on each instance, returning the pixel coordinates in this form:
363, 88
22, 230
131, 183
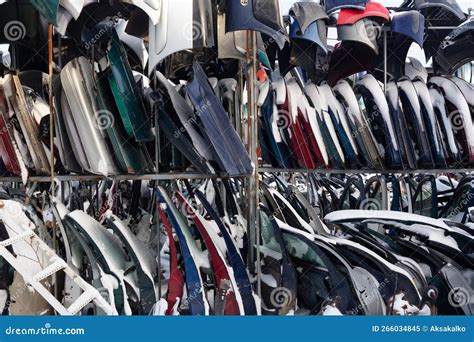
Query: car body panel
29, 128
193, 258
223, 274
176, 29
145, 265
81, 116
258, 15
235, 259
126, 93
47, 8
232, 154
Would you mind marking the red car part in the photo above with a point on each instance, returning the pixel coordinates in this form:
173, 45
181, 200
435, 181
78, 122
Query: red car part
176, 282
7, 150
349, 16
218, 265
297, 140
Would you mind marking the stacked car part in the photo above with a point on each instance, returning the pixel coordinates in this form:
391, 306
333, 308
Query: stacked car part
141, 155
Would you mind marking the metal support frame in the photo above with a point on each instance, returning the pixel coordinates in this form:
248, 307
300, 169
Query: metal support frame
252, 181
56, 264
96, 178
365, 171
385, 62
253, 226
252, 148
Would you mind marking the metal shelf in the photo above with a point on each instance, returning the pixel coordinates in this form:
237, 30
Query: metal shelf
191, 175
363, 171
95, 178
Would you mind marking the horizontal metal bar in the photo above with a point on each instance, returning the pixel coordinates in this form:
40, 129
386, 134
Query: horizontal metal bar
388, 28
94, 178
442, 27
365, 171
10, 179
171, 176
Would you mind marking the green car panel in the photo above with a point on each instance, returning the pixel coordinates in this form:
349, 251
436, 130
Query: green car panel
125, 91
129, 156
48, 9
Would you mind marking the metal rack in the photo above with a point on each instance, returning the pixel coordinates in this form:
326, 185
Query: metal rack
365, 171
96, 178
252, 180
252, 139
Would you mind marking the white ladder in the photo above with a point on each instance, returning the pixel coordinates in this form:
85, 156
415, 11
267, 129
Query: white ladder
56, 264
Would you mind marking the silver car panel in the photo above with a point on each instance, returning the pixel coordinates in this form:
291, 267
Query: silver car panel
79, 91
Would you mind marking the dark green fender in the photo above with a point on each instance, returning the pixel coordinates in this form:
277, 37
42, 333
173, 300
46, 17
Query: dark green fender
129, 156
126, 93
48, 9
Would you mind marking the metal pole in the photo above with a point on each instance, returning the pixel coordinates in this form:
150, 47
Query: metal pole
249, 180
51, 109
158, 237
250, 90
157, 170
157, 133
240, 123
242, 118
51, 144
253, 181
255, 159
385, 61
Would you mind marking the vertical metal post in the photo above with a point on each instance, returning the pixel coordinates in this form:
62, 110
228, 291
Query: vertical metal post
255, 159
158, 237
51, 108
63, 194
240, 123
157, 132
51, 143
253, 229
308, 186
157, 170
249, 180
385, 61
60, 62
250, 91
